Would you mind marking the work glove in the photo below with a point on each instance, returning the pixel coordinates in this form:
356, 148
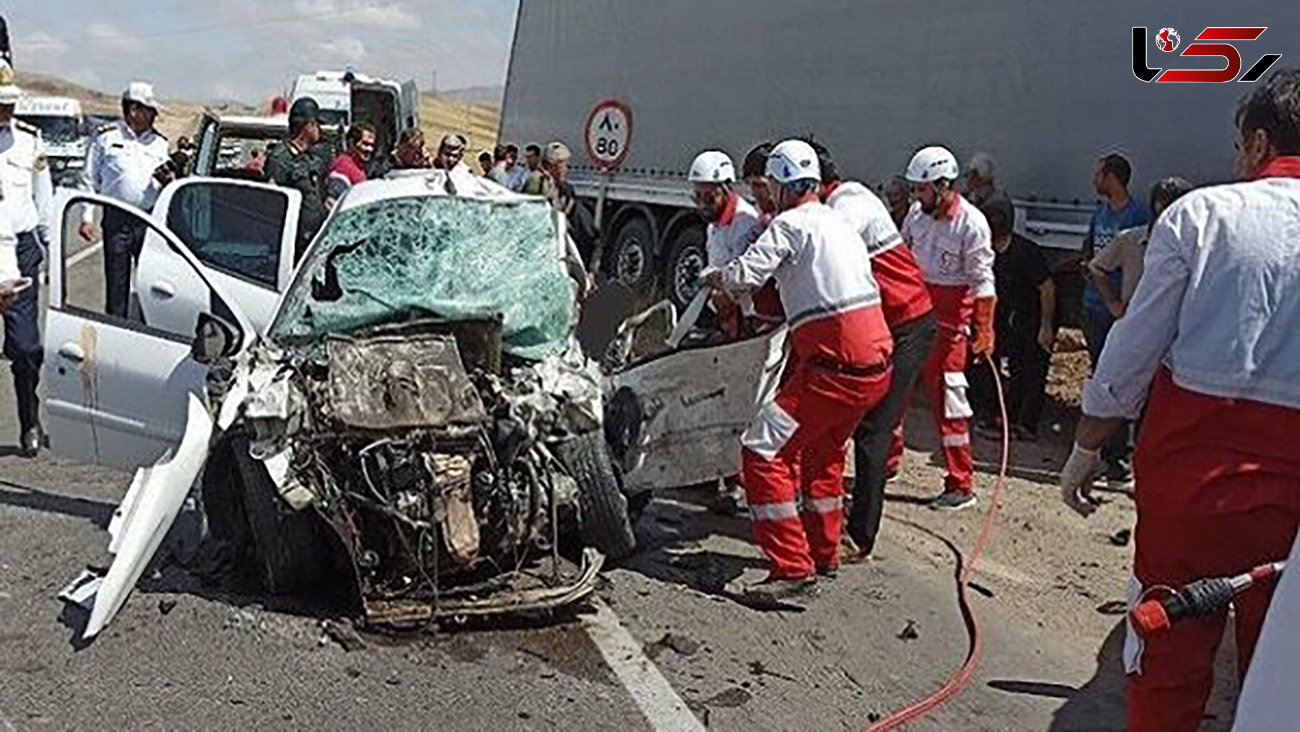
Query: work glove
711, 277
984, 309
1080, 470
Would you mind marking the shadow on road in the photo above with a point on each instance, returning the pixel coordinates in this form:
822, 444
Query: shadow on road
1097, 706
669, 534
96, 512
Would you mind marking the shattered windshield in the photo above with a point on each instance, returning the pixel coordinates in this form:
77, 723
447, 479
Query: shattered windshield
439, 257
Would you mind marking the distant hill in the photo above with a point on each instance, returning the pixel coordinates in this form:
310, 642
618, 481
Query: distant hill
439, 113
484, 96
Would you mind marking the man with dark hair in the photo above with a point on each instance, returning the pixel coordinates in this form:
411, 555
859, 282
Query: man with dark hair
909, 314
349, 168
754, 172
1116, 211
301, 162
898, 197
450, 151
1209, 347
485, 163
1025, 326
534, 179
1126, 253
501, 165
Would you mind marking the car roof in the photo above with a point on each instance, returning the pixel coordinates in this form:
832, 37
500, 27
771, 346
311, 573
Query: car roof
430, 182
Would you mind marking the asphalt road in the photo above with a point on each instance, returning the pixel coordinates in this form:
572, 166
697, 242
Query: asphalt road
180, 656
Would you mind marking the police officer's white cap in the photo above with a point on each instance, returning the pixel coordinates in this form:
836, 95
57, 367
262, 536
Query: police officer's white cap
9, 91
141, 92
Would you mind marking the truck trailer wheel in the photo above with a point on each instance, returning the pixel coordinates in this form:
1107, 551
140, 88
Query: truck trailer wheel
633, 253
606, 523
686, 261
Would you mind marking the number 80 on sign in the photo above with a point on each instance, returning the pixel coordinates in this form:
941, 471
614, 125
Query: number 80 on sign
609, 133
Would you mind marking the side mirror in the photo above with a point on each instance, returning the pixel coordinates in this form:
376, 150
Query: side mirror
213, 339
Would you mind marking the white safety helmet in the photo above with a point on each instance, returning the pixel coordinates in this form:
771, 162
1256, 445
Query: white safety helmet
932, 164
793, 160
712, 167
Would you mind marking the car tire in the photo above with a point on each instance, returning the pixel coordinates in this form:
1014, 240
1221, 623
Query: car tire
686, 260
633, 254
605, 521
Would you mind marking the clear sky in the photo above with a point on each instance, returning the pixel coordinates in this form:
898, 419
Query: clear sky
248, 50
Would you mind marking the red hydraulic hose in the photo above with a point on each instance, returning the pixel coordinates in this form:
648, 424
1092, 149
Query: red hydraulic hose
975, 648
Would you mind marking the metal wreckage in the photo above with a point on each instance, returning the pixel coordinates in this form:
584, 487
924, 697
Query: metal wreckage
417, 432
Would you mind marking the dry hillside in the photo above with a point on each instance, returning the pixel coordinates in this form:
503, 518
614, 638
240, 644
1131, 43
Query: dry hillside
438, 115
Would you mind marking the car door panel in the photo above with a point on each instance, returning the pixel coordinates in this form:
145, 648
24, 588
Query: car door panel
242, 233
116, 388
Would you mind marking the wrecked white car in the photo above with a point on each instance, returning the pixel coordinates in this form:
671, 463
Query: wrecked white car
414, 430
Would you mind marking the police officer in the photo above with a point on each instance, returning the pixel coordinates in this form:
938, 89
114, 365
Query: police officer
127, 161
301, 162
26, 195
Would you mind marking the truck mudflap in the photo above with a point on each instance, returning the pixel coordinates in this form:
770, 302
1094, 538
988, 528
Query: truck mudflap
487, 600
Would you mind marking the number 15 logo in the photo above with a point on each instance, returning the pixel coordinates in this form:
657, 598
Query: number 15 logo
1167, 41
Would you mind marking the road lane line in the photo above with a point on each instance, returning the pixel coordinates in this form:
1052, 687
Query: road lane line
84, 254
654, 696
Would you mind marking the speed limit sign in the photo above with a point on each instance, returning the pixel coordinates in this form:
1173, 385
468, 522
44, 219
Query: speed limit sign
609, 133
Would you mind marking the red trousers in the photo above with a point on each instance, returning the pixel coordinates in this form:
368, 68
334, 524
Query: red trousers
796, 449
1218, 493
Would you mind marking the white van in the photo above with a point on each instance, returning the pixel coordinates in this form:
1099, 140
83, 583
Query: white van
345, 97
63, 129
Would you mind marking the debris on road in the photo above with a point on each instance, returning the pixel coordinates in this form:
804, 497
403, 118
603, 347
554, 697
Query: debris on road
1113, 607
344, 634
757, 668
683, 645
910, 632
81, 591
166, 605
1121, 537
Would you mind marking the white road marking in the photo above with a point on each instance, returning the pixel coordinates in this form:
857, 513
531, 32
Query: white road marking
84, 254
654, 696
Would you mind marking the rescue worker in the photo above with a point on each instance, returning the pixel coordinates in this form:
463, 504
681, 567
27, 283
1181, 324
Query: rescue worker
839, 369
26, 197
731, 220
905, 302
300, 162
951, 242
767, 303
127, 161
1210, 335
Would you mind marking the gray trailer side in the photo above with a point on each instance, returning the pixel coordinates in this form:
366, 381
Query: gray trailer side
1044, 87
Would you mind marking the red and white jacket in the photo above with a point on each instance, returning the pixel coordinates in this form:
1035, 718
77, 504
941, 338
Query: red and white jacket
824, 277
731, 234
955, 253
903, 294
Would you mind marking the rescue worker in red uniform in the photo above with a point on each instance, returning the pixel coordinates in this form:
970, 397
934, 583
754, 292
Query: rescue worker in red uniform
731, 221
839, 369
1211, 336
905, 301
951, 242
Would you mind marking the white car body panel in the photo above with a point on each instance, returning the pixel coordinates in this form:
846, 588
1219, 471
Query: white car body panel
257, 300
697, 404
1268, 699
145, 516
115, 389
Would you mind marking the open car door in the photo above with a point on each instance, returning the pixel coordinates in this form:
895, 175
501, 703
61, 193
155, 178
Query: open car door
241, 233
118, 387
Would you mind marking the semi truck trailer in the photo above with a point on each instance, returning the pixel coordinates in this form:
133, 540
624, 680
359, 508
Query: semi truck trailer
1046, 88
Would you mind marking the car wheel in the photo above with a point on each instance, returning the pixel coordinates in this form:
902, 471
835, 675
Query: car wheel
634, 253
605, 521
686, 261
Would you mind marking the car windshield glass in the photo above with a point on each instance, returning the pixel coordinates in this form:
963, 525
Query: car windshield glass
443, 257
56, 130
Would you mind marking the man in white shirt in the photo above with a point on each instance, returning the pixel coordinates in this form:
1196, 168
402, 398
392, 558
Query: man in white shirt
731, 221
1211, 336
127, 161
26, 199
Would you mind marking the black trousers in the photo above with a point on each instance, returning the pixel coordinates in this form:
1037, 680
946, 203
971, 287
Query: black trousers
23, 345
912, 343
123, 239
1028, 364
1117, 451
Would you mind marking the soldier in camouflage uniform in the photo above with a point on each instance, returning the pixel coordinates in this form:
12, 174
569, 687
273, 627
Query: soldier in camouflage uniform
301, 162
